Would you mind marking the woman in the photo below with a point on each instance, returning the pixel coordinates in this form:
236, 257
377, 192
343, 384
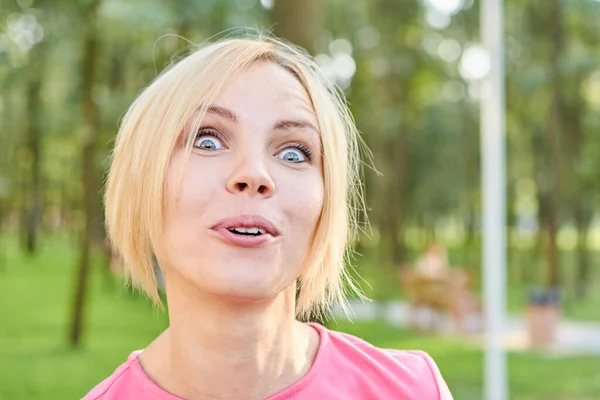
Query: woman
237, 169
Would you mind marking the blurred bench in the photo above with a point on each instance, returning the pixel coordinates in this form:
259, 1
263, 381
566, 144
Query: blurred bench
444, 294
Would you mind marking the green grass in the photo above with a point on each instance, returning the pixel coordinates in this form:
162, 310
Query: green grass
36, 363
36, 296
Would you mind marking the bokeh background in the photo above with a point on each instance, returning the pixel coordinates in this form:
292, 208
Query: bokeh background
412, 72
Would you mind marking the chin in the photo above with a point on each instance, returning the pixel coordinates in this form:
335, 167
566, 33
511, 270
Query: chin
243, 291
247, 296
245, 277
248, 284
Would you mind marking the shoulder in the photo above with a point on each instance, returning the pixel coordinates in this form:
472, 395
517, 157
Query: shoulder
116, 385
409, 361
425, 362
414, 370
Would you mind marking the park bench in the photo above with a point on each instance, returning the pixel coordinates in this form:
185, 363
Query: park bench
447, 294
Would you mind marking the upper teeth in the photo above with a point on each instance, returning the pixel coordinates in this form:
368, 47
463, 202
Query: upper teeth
252, 230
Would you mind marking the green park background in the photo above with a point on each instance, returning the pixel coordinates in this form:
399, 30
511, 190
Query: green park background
411, 70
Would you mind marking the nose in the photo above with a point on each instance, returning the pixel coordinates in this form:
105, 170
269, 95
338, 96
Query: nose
250, 176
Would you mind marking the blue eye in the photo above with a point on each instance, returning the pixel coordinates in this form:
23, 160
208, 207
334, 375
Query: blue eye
292, 155
296, 153
208, 140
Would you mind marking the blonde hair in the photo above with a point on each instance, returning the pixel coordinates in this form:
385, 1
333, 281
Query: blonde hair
151, 130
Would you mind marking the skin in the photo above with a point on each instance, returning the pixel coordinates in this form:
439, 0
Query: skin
233, 332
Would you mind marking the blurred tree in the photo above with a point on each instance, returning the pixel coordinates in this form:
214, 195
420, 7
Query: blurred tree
580, 187
393, 124
550, 193
300, 22
90, 181
33, 152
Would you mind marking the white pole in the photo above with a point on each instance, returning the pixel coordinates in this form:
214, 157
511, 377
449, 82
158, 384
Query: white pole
494, 200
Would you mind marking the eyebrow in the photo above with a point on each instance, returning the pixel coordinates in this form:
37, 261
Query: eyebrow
222, 112
283, 125
294, 124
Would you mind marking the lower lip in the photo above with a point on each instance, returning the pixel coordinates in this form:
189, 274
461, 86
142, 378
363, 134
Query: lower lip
243, 240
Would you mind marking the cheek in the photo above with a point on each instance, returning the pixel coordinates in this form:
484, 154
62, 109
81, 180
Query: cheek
304, 202
189, 189
189, 197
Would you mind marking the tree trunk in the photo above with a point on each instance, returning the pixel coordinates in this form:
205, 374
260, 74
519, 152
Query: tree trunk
579, 187
2, 242
90, 138
583, 262
399, 175
33, 214
548, 234
554, 131
393, 124
300, 22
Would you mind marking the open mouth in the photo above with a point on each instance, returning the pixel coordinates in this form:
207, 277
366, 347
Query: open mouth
253, 231
248, 231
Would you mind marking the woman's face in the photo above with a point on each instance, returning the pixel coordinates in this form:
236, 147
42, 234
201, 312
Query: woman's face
241, 221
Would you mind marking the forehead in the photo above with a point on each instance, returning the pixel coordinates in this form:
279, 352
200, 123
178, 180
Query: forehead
266, 88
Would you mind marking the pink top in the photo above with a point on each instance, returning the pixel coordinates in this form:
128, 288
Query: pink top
345, 367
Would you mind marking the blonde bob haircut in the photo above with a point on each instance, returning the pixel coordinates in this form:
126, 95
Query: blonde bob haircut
158, 123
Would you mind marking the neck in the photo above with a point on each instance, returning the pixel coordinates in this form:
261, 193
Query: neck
223, 349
